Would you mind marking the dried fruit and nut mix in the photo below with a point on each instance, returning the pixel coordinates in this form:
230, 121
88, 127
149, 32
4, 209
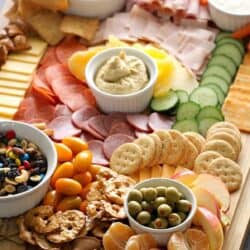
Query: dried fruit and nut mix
22, 164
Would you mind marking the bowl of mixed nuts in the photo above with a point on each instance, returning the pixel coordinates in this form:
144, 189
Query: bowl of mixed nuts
27, 161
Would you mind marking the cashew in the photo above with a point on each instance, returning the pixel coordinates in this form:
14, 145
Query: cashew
10, 188
7, 180
12, 142
35, 178
23, 177
32, 145
24, 143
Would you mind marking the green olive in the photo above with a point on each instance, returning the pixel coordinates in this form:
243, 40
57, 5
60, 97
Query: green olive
135, 195
161, 190
174, 219
183, 216
143, 217
160, 223
134, 208
183, 206
147, 206
172, 194
158, 201
149, 194
164, 210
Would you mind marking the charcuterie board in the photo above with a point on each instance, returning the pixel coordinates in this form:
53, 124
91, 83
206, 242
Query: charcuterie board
240, 203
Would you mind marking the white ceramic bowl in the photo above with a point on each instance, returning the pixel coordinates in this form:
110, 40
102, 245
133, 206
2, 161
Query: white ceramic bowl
95, 8
227, 20
17, 204
130, 103
162, 235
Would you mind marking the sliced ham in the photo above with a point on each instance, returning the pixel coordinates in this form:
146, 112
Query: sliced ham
158, 121
139, 122
86, 128
97, 123
193, 8
96, 147
121, 128
62, 110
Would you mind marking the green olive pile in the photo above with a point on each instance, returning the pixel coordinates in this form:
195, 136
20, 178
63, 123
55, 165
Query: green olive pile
159, 208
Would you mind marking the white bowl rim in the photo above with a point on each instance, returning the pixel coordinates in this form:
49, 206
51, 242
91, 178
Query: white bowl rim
46, 177
166, 230
219, 8
152, 78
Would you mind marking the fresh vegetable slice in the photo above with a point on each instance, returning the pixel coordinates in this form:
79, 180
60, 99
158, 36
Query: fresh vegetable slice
222, 35
187, 111
218, 70
217, 80
182, 95
218, 91
186, 126
229, 40
210, 112
205, 124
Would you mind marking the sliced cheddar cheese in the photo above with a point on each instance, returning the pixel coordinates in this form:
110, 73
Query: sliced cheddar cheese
20, 57
6, 112
10, 101
13, 85
19, 67
38, 47
12, 92
145, 174
10, 76
156, 171
167, 171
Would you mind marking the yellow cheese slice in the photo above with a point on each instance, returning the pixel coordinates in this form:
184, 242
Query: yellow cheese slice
4, 75
10, 101
38, 47
13, 85
156, 171
136, 176
12, 92
19, 67
167, 171
7, 112
145, 174
4, 118
20, 57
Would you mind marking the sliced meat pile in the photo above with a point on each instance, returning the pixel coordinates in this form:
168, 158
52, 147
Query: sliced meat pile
190, 41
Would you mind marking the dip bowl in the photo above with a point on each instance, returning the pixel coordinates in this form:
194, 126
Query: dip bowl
162, 235
126, 103
16, 204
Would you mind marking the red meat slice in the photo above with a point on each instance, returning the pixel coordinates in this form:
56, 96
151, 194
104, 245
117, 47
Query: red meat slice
87, 128
139, 122
97, 123
56, 71
49, 58
63, 127
87, 136
112, 142
140, 134
121, 128
158, 121
113, 118
96, 147
62, 110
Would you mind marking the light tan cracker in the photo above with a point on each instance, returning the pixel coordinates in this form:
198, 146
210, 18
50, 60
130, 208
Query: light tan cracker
197, 139
158, 149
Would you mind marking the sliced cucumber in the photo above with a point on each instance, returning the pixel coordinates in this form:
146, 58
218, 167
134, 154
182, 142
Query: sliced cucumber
186, 126
230, 40
182, 95
187, 111
217, 70
210, 112
222, 35
231, 51
226, 62
220, 82
205, 124
166, 102
204, 97
218, 91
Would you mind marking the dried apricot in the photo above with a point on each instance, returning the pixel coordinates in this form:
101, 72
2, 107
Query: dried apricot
67, 203
75, 144
141, 241
83, 178
64, 153
68, 186
52, 198
83, 161
65, 170
83, 206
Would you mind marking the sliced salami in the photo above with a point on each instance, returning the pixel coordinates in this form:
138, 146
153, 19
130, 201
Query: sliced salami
121, 128
87, 136
62, 110
96, 147
63, 127
55, 71
112, 118
139, 122
158, 121
97, 123
87, 128
112, 142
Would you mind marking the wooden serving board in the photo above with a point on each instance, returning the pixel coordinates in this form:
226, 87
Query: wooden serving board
240, 201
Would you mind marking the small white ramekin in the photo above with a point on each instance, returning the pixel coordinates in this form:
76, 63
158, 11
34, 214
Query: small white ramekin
226, 20
17, 204
162, 235
130, 103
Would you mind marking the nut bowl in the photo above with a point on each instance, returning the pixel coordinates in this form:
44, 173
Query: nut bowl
16, 204
162, 235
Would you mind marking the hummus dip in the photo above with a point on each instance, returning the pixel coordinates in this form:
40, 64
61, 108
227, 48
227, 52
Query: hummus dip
122, 75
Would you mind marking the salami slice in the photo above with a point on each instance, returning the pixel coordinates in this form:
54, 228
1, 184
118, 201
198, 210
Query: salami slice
87, 128
158, 121
98, 156
62, 110
63, 127
49, 58
139, 122
121, 128
56, 71
84, 114
112, 142
87, 136
113, 118
97, 123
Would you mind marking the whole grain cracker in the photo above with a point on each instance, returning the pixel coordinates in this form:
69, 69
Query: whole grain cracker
126, 159
228, 171
197, 139
158, 149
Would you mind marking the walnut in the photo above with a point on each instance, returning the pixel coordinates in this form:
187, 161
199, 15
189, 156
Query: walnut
20, 43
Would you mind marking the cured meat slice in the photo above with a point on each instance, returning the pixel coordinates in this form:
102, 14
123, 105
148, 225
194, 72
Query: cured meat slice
139, 121
91, 131
140, 134
62, 110
63, 127
83, 114
193, 9
121, 128
49, 58
158, 121
112, 142
70, 92
96, 147
56, 71
87, 136
67, 47
97, 123
113, 118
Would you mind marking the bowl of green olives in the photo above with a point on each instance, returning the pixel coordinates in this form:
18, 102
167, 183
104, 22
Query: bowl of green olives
160, 206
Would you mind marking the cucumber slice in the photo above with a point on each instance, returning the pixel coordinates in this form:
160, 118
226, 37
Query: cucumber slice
187, 111
182, 95
218, 91
224, 61
217, 70
231, 51
230, 40
186, 126
222, 35
205, 124
165, 103
210, 112
220, 82
204, 96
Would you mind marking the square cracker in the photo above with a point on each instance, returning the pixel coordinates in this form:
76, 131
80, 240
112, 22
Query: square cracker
80, 26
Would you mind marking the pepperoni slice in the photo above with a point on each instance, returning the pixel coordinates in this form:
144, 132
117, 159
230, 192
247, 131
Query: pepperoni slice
121, 128
97, 123
84, 114
62, 110
139, 122
112, 142
49, 58
55, 71
96, 147
158, 121
63, 127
